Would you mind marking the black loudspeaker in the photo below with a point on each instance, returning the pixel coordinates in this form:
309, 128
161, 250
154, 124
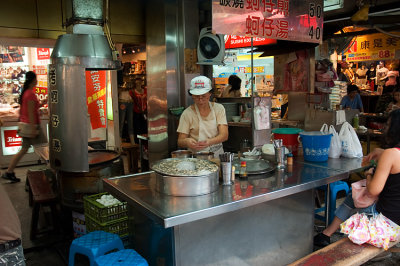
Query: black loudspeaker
210, 48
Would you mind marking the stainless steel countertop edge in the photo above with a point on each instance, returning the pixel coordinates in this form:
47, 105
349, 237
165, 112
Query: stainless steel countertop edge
220, 209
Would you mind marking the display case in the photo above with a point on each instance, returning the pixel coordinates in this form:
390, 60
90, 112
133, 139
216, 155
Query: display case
11, 143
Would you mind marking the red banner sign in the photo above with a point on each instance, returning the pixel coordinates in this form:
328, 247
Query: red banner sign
234, 41
11, 139
96, 98
43, 53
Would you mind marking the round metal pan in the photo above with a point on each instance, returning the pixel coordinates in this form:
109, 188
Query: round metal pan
254, 167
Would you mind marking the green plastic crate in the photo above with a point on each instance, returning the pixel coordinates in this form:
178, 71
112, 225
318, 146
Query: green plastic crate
119, 226
100, 213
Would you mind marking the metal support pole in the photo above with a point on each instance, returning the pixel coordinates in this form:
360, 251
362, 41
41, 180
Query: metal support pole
327, 205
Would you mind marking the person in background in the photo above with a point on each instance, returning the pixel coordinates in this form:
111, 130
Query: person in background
396, 101
29, 113
384, 182
203, 125
352, 100
233, 87
371, 76
139, 96
385, 99
11, 252
392, 76
125, 112
343, 73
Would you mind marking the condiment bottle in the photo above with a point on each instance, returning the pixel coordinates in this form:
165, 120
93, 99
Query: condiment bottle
243, 170
290, 159
356, 121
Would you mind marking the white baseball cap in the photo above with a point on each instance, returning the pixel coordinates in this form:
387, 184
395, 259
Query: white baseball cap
200, 85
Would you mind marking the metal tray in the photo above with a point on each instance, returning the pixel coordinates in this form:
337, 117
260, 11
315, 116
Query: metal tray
254, 167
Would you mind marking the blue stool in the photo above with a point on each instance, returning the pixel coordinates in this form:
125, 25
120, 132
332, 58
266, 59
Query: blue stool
94, 244
335, 187
122, 257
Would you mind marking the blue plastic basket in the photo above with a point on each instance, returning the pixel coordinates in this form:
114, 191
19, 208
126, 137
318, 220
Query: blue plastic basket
315, 145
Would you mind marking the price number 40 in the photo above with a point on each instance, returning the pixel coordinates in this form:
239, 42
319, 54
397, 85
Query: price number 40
315, 11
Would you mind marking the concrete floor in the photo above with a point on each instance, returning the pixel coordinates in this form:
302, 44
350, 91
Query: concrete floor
53, 249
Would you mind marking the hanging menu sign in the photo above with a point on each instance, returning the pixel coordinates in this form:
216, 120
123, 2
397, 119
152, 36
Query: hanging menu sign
292, 20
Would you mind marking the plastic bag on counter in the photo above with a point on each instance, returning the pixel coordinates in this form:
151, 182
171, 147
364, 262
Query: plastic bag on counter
335, 149
351, 146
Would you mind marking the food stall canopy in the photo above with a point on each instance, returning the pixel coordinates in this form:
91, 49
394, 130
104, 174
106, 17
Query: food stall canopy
272, 19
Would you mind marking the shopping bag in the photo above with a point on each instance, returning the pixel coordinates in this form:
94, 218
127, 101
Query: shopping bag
394, 229
378, 231
351, 146
335, 149
361, 197
27, 130
360, 234
347, 226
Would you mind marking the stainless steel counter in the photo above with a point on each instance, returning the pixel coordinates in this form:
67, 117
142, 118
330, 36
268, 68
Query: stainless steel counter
253, 222
344, 164
138, 190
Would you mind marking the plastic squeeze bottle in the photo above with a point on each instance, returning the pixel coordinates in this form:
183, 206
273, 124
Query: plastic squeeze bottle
356, 121
243, 170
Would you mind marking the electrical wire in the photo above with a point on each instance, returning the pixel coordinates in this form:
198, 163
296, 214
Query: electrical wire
385, 32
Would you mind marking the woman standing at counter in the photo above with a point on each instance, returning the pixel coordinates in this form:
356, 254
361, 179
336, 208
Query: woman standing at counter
203, 125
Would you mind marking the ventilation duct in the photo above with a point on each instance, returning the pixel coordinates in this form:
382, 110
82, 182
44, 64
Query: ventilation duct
86, 48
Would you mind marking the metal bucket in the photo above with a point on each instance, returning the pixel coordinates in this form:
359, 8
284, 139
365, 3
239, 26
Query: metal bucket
193, 185
204, 155
181, 154
74, 186
187, 185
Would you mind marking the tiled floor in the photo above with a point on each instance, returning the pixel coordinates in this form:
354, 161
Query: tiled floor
53, 249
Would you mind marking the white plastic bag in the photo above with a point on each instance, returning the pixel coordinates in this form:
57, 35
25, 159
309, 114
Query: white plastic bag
351, 146
335, 149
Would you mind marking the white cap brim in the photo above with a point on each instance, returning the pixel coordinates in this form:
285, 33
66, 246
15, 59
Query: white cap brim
199, 91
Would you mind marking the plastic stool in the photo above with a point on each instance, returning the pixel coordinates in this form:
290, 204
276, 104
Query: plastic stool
94, 244
122, 257
335, 187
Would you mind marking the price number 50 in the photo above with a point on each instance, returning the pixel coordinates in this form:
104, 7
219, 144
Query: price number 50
315, 11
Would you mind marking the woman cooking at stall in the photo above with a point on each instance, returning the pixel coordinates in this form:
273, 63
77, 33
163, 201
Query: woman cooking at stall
203, 126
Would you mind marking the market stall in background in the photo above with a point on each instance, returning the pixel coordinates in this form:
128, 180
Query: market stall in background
373, 65
15, 61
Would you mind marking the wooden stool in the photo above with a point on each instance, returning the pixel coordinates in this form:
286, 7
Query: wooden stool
41, 194
132, 152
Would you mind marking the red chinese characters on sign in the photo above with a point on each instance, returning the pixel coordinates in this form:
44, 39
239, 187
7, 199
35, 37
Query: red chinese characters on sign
43, 53
96, 98
11, 139
273, 19
269, 28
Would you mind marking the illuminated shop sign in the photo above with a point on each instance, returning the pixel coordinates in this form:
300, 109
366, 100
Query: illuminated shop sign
10, 141
270, 19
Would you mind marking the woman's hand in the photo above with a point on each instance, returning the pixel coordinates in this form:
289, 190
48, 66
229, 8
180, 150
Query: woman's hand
201, 145
374, 155
369, 174
191, 143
